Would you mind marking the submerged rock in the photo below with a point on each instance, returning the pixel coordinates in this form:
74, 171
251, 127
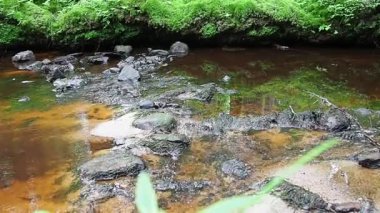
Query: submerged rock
35, 66
235, 168
56, 71
156, 121
24, 56
369, 160
181, 186
179, 49
112, 166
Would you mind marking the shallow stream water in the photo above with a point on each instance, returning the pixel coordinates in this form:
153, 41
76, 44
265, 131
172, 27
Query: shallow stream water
42, 141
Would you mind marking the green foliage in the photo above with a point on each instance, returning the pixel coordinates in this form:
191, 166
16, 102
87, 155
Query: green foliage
146, 200
71, 22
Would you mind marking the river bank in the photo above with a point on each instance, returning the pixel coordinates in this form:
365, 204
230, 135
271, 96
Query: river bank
216, 123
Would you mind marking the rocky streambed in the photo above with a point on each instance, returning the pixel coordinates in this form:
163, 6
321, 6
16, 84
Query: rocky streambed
196, 160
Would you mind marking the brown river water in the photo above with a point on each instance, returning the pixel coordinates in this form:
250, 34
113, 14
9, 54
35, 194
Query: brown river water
43, 141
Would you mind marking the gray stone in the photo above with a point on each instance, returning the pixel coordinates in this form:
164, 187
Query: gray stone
112, 166
64, 60
226, 78
124, 49
156, 121
46, 61
159, 52
174, 138
179, 49
369, 160
129, 74
35, 66
24, 56
112, 70
97, 59
62, 85
146, 104
235, 168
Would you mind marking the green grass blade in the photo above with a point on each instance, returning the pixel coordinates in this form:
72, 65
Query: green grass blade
146, 199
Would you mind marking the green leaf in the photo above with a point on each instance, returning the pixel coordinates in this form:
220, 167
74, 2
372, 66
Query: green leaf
146, 199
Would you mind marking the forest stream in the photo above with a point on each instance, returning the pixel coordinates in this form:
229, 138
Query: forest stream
208, 125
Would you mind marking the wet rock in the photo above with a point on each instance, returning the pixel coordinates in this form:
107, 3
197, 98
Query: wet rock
102, 192
203, 93
112, 166
65, 60
235, 168
24, 56
112, 70
174, 138
156, 121
299, 197
24, 99
56, 71
226, 78
369, 160
179, 49
159, 52
97, 59
35, 66
130, 75
347, 207
46, 61
181, 186
123, 49
166, 144
127, 61
146, 104
62, 85
130, 90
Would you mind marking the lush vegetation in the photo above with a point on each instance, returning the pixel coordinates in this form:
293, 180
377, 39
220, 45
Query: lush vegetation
73, 22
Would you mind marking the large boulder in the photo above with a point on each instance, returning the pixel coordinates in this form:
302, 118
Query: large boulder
179, 49
156, 121
112, 166
24, 56
123, 49
129, 74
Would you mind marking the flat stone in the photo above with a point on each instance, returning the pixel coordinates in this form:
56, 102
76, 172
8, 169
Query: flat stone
156, 121
112, 166
146, 104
